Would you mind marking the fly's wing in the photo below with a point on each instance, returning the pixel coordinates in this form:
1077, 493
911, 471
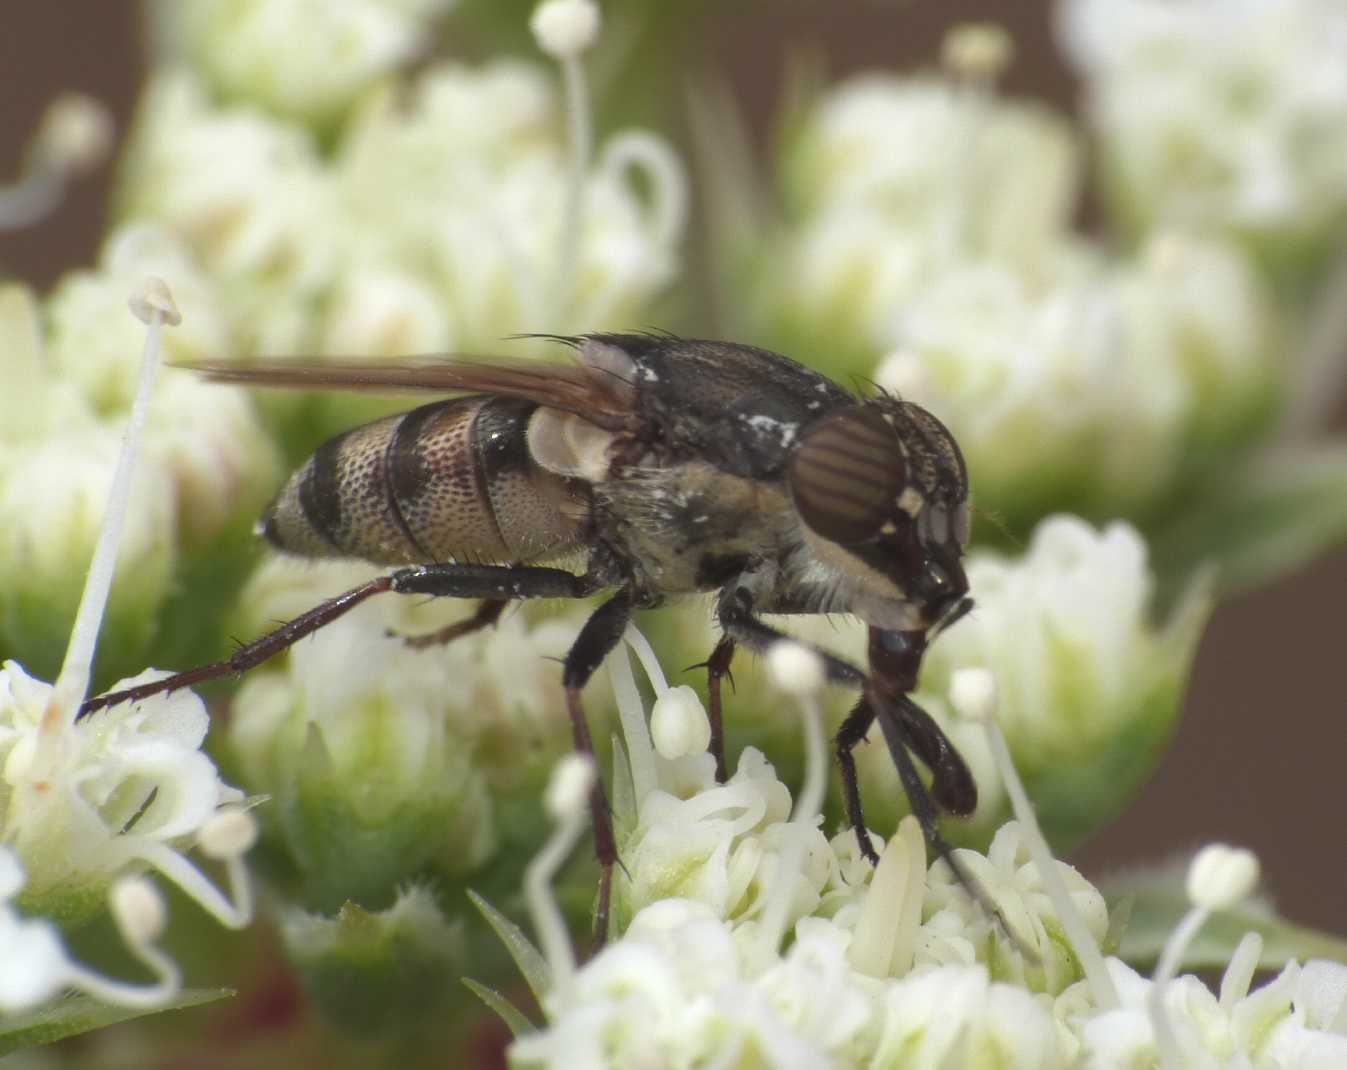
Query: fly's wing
591, 393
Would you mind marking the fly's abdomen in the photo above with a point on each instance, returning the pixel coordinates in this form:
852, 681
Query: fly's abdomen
449, 481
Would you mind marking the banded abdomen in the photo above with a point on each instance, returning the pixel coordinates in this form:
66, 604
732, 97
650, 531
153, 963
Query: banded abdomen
446, 482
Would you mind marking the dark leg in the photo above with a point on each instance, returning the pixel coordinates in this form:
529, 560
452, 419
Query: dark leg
853, 730
892, 722
487, 614
497, 583
952, 782
717, 669
250, 654
601, 633
735, 612
895, 658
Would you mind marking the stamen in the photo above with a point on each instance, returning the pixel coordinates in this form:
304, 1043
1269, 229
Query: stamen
679, 725
75, 136
798, 671
1218, 878
973, 695
564, 29
649, 662
975, 54
566, 801
794, 669
138, 909
664, 173
233, 912
154, 304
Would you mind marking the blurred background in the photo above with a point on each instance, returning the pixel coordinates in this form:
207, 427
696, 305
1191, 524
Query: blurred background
1261, 753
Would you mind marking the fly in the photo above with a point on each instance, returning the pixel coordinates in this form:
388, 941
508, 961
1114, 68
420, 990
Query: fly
667, 466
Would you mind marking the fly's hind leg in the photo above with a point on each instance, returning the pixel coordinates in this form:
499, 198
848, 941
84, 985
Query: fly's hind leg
488, 612
494, 583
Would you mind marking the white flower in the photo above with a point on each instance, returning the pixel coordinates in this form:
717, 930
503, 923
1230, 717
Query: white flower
958, 930
1275, 1025
481, 206
692, 981
722, 846
302, 58
956, 1016
249, 196
975, 176
1064, 630
430, 227
33, 967
1096, 383
81, 802
1232, 114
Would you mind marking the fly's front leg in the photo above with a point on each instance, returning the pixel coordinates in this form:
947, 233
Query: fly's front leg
601, 633
852, 732
739, 621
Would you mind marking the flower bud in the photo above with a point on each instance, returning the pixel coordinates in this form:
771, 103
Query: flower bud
299, 58
373, 973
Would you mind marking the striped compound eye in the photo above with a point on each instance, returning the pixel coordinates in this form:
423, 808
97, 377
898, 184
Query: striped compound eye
847, 474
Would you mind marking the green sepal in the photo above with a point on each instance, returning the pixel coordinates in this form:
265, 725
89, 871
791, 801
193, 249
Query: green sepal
1158, 899
512, 1016
82, 1014
537, 974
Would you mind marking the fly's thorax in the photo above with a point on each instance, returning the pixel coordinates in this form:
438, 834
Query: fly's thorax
687, 525
449, 481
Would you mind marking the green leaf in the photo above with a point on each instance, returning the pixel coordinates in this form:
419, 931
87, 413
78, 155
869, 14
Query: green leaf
511, 1015
1159, 899
528, 958
81, 1014
1270, 516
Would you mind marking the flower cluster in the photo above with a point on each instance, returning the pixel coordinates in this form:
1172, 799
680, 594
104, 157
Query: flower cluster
1222, 116
927, 235
755, 939
296, 57
419, 227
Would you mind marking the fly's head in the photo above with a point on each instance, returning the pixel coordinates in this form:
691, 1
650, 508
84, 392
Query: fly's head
882, 492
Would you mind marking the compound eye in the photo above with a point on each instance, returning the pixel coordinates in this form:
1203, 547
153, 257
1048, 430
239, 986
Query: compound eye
847, 474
